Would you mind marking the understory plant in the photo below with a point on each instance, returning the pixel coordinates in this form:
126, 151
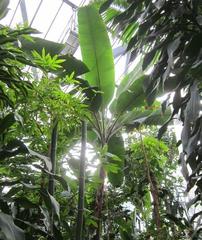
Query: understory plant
33, 105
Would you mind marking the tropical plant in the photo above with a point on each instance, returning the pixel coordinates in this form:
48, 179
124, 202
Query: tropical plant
128, 212
170, 32
126, 108
52, 116
31, 113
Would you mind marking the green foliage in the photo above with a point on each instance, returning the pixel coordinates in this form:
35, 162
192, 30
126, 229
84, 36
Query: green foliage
156, 152
70, 65
126, 109
132, 97
46, 61
161, 163
29, 109
116, 146
169, 34
96, 52
38, 44
9, 230
14, 83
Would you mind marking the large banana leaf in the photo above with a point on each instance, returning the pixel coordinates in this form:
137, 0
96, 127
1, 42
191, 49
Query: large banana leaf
145, 115
130, 92
130, 116
38, 44
129, 78
154, 118
133, 97
96, 52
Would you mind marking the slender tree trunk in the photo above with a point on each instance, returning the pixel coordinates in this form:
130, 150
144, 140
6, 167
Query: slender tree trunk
79, 228
51, 184
53, 150
100, 190
99, 204
155, 196
154, 191
108, 220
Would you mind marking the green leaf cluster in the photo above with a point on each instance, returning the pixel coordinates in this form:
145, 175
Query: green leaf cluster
46, 61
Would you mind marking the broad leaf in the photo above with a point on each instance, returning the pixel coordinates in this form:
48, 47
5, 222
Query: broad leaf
13, 191
130, 116
71, 65
116, 147
148, 58
192, 112
129, 79
38, 44
9, 229
60, 179
105, 5
13, 148
25, 203
7, 122
55, 206
4, 8
149, 117
96, 52
51, 203
133, 97
42, 157
92, 94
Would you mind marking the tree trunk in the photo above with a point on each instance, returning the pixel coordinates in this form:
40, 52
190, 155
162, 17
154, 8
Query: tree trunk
154, 190
79, 228
155, 196
99, 204
51, 184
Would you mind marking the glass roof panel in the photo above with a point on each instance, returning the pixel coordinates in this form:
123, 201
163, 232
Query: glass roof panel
56, 21
14, 14
52, 19
32, 9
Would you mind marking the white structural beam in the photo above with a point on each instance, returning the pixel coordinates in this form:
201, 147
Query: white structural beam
71, 4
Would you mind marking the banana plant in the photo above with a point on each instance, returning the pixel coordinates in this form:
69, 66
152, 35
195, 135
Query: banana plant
126, 104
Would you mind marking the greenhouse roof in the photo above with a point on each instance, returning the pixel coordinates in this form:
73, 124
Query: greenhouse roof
56, 21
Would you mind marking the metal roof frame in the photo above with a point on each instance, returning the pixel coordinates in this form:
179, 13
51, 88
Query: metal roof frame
67, 34
71, 4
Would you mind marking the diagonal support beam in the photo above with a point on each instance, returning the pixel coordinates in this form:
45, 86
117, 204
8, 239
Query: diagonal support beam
71, 4
24, 11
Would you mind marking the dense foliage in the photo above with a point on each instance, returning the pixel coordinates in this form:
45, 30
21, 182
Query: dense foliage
79, 157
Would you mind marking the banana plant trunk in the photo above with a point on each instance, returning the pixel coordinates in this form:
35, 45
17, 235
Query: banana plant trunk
97, 54
79, 228
99, 204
